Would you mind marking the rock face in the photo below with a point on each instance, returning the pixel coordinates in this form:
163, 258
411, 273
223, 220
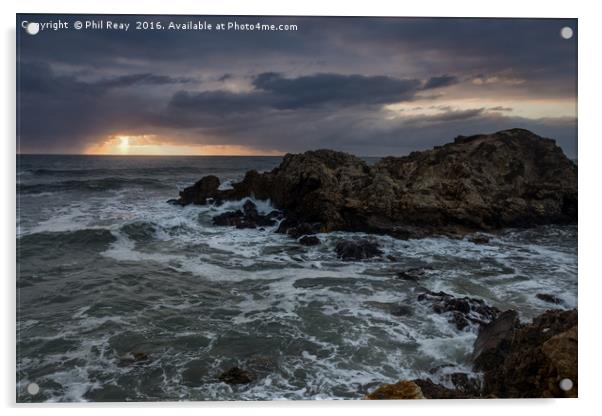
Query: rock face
528, 360
477, 183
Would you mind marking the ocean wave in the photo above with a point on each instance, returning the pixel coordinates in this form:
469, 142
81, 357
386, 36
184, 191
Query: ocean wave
91, 185
32, 245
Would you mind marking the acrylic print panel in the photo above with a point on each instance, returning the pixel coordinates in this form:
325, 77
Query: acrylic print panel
266, 208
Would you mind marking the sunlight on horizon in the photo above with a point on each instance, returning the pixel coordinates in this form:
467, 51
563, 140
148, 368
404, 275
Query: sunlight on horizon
151, 145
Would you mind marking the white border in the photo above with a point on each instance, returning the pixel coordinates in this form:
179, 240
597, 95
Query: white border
589, 175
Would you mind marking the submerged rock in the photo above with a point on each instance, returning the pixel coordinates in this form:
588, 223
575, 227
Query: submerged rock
133, 358
413, 274
512, 178
236, 375
546, 297
309, 240
357, 249
479, 239
463, 311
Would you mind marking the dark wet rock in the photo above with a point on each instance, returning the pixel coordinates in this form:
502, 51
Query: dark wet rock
494, 341
403, 390
413, 274
236, 375
512, 178
466, 383
248, 217
309, 240
463, 311
478, 239
529, 360
431, 390
201, 192
357, 249
230, 218
546, 297
296, 229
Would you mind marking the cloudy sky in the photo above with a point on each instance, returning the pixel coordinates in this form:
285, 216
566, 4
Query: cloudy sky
370, 86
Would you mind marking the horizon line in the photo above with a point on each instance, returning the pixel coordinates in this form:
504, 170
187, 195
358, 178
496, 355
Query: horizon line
151, 155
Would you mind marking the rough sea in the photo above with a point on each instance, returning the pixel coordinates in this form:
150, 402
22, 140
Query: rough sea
106, 269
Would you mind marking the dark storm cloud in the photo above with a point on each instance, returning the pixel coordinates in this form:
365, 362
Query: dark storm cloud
38, 77
333, 89
64, 112
141, 79
324, 85
274, 91
440, 82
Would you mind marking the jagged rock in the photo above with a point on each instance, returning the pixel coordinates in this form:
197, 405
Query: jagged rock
512, 178
530, 360
201, 192
357, 249
403, 390
546, 297
236, 375
463, 311
309, 240
494, 341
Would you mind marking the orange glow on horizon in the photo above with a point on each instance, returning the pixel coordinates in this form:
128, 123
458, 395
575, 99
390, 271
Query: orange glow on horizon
150, 145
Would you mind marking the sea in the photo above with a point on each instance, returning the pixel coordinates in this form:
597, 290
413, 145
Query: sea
124, 297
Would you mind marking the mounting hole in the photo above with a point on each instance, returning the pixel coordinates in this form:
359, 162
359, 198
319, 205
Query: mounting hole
33, 389
566, 384
32, 28
566, 32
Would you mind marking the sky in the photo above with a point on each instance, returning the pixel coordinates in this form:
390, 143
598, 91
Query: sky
368, 86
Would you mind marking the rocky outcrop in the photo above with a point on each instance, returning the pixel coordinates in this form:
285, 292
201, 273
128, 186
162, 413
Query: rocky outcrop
528, 360
478, 183
516, 361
